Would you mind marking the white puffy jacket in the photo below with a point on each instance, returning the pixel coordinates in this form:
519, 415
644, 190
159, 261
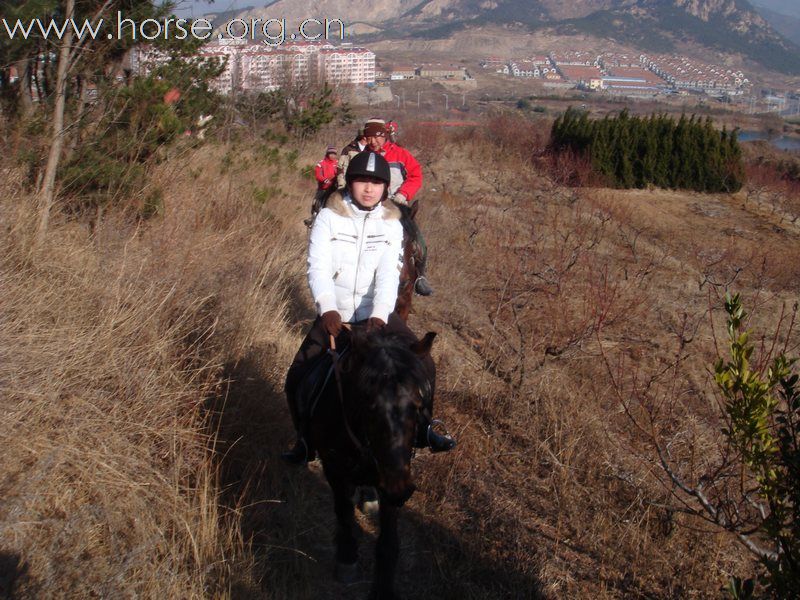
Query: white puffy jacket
354, 259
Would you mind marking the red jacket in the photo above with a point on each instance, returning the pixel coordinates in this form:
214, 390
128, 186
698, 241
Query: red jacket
406, 171
326, 169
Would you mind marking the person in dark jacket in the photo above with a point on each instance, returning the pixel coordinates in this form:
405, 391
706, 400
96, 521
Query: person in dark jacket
358, 144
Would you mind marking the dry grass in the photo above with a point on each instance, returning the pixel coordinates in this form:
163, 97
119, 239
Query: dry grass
114, 343
559, 485
142, 366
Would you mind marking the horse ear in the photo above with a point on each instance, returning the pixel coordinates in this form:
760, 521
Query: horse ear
424, 345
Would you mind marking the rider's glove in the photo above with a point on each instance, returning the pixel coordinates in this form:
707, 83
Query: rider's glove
332, 322
399, 198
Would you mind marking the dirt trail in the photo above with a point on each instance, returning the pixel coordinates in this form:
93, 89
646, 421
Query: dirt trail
288, 514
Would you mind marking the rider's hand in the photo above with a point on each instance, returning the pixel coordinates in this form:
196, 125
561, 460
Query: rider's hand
332, 322
375, 323
399, 198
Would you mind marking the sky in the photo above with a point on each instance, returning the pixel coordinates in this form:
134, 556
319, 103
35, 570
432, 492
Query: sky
199, 7
187, 8
785, 7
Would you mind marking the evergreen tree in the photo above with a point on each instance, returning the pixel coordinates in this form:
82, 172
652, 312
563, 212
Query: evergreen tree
734, 167
622, 151
648, 150
629, 151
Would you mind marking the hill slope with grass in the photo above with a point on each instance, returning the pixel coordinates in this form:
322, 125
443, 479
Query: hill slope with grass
143, 361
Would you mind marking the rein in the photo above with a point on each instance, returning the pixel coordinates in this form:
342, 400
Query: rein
338, 376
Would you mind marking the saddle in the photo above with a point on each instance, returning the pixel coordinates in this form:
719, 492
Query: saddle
318, 376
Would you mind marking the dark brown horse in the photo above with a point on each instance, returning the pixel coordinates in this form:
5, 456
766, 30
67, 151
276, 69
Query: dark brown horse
408, 275
364, 428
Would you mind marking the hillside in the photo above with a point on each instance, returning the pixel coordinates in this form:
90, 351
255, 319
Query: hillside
727, 26
143, 363
788, 26
665, 27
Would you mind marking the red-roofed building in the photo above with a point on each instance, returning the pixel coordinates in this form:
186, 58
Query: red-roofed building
580, 75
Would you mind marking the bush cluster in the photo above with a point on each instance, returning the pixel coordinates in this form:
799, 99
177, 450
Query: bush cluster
636, 152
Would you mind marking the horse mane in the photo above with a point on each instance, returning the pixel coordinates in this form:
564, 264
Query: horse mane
387, 360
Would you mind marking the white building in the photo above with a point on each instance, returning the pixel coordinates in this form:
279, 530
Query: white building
347, 65
256, 67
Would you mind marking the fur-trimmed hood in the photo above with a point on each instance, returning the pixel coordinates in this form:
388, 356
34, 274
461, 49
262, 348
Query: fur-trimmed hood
355, 258
343, 206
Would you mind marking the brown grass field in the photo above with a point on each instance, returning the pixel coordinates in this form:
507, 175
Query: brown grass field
142, 363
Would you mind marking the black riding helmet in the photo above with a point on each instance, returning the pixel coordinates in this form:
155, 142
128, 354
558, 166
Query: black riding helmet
368, 164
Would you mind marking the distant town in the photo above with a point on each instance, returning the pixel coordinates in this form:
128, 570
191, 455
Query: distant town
257, 67
625, 74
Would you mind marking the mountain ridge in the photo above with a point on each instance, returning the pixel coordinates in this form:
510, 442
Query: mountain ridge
729, 26
787, 25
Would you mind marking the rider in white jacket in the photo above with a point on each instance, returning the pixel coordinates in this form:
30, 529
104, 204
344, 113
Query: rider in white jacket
355, 255
354, 259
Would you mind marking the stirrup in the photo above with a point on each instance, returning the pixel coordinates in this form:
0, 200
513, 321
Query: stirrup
438, 442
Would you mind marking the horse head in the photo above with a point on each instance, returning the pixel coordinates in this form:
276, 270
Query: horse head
391, 382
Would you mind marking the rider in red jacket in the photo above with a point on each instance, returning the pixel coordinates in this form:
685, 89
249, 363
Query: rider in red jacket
406, 181
325, 172
326, 169
409, 171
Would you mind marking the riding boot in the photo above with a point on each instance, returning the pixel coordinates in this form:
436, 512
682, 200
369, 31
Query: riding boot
421, 286
302, 452
316, 206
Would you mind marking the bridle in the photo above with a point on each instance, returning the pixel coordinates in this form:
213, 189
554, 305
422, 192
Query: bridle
338, 376
362, 449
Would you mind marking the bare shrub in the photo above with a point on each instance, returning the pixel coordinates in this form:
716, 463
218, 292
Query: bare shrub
424, 140
570, 168
513, 134
768, 186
